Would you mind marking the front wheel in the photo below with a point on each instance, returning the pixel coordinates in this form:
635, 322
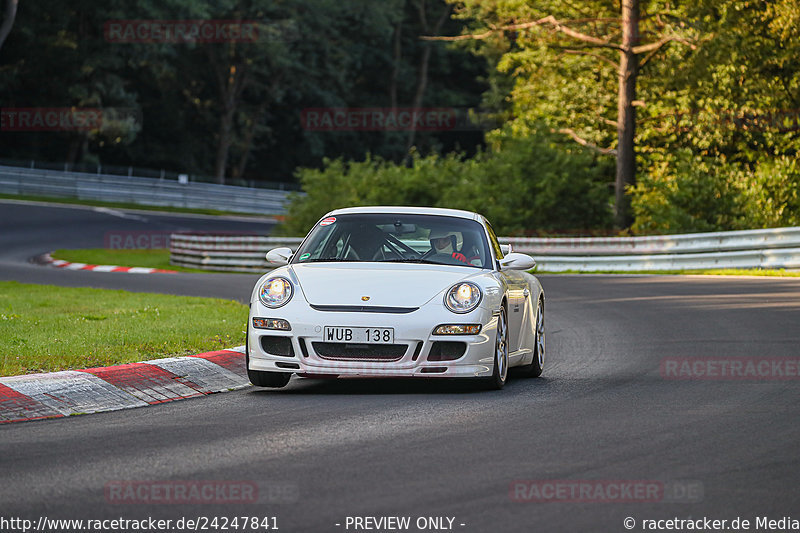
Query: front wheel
500, 373
275, 380
534, 370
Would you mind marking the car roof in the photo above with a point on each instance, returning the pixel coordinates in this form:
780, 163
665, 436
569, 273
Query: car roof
404, 210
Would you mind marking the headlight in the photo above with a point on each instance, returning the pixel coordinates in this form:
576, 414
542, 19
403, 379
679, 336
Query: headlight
275, 292
463, 297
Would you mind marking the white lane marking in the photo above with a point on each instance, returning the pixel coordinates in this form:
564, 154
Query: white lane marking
104, 268
120, 214
141, 270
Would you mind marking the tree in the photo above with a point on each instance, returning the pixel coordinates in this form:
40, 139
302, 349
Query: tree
553, 34
306, 47
64, 41
424, 63
231, 109
721, 145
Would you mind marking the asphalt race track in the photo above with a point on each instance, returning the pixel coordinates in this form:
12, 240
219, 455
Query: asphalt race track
28, 230
320, 451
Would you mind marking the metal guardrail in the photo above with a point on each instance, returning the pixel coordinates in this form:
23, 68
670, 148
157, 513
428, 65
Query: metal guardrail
747, 259
660, 244
766, 248
237, 253
143, 191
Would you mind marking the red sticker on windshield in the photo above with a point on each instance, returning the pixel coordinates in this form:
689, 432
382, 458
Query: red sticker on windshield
328, 221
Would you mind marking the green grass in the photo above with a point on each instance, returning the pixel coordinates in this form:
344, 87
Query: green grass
702, 272
127, 205
150, 258
44, 328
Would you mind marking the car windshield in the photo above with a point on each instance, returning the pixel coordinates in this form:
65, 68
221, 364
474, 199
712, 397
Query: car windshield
397, 238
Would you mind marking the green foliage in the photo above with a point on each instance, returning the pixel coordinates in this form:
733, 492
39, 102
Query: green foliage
771, 194
717, 132
717, 120
374, 181
523, 186
535, 184
685, 193
737, 95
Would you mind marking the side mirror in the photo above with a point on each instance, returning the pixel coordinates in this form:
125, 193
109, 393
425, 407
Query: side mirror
279, 256
517, 261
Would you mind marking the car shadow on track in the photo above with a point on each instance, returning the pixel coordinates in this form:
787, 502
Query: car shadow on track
385, 386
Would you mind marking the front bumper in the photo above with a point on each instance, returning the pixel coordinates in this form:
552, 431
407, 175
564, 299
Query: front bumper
413, 330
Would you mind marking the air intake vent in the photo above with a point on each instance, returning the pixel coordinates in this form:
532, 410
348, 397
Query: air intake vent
359, 352
447, 350
275, 345
363, 309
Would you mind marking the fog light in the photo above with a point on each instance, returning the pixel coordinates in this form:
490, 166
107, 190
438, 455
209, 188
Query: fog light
271, 323
457, 329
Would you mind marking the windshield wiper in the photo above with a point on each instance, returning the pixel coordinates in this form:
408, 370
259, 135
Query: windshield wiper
327, 260
427, 262
412, 260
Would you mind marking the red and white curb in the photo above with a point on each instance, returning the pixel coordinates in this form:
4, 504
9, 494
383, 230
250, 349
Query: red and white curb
66, 265
95, 390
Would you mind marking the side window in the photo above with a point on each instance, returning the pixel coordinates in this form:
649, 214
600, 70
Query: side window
498, 253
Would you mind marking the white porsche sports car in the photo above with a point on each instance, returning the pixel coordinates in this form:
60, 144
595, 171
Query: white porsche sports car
396, 291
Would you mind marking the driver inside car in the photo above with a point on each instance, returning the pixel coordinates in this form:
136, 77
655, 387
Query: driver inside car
444, 243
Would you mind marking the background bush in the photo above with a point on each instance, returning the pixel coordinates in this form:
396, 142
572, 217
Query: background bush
523, 186
683, 193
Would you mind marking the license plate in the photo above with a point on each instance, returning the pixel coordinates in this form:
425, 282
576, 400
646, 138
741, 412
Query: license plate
360, 335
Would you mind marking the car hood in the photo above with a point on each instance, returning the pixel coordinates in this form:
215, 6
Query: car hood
389, 285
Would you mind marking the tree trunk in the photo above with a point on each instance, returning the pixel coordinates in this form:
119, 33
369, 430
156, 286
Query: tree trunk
8, 20
626, 112
78, 145
247, 144
232, 79
224, 143
422, 84
397, 57
422, 76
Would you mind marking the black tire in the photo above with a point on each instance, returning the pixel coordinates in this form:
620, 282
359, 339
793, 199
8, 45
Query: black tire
534, 369
500, 372
274, 380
